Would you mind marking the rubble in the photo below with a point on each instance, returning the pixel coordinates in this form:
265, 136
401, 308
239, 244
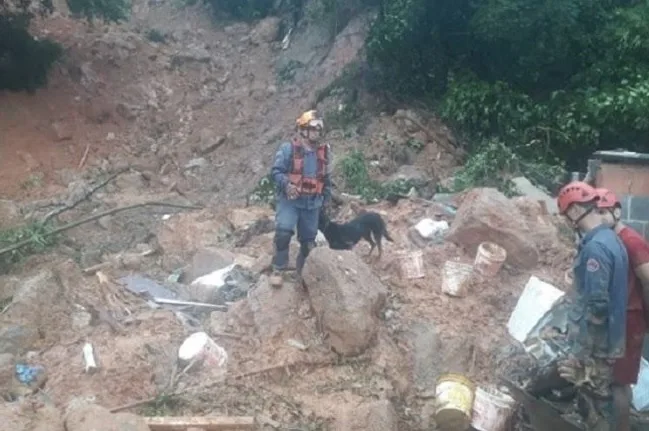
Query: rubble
97, 418
374, 416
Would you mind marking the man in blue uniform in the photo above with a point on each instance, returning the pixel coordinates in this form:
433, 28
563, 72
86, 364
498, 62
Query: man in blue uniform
302, 176
597, 321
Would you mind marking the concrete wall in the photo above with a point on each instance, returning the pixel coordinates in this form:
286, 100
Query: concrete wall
630, 182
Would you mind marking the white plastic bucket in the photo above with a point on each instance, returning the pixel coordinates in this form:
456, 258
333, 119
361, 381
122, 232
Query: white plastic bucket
491, 410
455, 278
489, 259
200, 348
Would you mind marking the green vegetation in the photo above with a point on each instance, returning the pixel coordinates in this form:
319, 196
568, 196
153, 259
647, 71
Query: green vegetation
39, 238
25, 60
527, 83
357, 180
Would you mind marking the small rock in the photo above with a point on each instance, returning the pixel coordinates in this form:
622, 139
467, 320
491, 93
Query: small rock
110, 136
271, 90
372, 416
133, 181
192, 53
127, 111
208, 141
61, 131
106, 222
199, 162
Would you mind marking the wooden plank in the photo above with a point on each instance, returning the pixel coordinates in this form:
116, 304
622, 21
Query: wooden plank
207, 423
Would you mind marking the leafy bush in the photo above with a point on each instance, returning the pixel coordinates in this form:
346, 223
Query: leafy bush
243, 9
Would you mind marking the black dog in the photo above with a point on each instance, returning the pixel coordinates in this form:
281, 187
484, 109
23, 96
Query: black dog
344, 236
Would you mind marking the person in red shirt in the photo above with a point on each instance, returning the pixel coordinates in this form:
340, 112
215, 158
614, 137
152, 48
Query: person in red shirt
626, 369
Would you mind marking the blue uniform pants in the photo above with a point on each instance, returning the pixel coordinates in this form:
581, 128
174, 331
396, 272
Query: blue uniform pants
288, 217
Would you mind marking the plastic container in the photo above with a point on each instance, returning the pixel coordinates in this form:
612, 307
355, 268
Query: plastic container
455, 278
454, 402
489, 259
200, 348
491, 410
412, 264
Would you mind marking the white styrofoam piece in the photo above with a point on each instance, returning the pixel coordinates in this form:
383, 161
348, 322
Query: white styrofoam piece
537, 299
641, 389
215, 278
89, 358
428, 228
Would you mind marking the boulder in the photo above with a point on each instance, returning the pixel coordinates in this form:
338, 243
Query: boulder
488, 215
97, 418
346, 296
373, 416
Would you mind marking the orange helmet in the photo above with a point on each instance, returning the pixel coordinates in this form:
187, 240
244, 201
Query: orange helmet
607, 199
576, 192
309, 119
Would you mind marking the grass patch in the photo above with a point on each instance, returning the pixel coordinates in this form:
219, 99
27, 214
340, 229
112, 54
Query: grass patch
39, 240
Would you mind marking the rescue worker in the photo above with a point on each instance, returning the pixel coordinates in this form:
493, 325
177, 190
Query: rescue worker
626, 369
596, 322
302, 176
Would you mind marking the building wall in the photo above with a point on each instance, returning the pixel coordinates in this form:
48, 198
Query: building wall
631, 184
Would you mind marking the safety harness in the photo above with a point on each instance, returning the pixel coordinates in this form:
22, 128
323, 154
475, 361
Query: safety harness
308, 186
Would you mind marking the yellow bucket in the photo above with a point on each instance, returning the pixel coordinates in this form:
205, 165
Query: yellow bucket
454, 402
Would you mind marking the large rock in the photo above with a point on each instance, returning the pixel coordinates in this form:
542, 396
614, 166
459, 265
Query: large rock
373, 416
96, 418
347, 298
488, 215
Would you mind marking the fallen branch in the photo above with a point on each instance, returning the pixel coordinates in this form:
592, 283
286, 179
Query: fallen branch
102, 184
93, 218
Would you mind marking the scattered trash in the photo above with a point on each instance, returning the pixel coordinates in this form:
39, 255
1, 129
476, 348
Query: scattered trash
200, 348
294, 343
429, 228
454, 402
190, 303
492, 409
227, 284
146, 287
412, 264
455, 278
28, 374
175, 276
89, 358
286, 42
535, 302
489, 259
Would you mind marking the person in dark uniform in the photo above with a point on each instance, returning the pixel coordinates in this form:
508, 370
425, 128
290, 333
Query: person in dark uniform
597, 319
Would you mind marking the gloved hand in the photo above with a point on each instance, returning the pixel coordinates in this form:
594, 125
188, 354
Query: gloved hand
574, 371
292, 191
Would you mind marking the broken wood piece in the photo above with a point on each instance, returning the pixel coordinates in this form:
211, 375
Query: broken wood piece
91, 270
207, 423
195, 304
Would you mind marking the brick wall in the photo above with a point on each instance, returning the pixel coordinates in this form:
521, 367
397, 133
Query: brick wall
630, 182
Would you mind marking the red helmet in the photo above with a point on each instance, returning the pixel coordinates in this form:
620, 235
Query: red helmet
607, 199
576, 192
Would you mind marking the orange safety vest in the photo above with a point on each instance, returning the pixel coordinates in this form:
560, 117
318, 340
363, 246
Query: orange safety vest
308, 186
